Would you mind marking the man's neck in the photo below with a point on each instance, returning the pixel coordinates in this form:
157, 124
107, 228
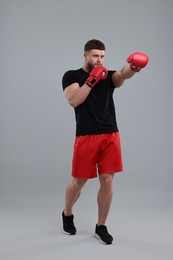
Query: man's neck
86, 69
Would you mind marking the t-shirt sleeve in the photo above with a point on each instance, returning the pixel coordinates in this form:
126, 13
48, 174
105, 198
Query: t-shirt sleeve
111, 73
69, 78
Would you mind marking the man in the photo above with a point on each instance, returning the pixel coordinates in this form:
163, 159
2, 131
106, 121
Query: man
97, 150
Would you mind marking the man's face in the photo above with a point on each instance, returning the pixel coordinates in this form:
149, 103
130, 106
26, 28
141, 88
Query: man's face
94, 58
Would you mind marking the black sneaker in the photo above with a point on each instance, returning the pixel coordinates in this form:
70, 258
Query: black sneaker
68, 224
102, 234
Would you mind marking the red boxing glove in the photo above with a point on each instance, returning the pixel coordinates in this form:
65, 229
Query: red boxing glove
98, 73
138, 61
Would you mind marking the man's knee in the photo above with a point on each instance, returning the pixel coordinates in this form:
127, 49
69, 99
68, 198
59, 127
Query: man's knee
106, 179
79, 182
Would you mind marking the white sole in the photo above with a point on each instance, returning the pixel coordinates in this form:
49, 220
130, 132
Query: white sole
68, 233
101, 241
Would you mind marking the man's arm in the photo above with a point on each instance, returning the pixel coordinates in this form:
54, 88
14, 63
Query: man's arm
120, 76
137, 61
76, 95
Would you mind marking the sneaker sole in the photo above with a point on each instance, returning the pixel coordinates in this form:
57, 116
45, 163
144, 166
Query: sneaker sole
67, 233
101, 241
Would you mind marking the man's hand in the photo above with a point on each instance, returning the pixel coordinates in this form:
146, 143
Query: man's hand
98, 73
137, 61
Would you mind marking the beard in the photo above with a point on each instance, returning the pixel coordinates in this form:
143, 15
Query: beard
90, 66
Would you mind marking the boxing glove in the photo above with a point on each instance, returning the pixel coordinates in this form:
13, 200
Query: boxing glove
98, 73
137, 61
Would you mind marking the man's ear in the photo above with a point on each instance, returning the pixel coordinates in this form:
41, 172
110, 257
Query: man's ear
85, 54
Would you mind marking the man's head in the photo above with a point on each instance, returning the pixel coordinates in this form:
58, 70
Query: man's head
94, 52
94, 44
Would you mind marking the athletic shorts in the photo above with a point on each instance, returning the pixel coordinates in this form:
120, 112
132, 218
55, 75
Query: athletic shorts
96, 154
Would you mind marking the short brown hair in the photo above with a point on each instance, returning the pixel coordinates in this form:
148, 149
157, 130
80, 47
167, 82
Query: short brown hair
94, 44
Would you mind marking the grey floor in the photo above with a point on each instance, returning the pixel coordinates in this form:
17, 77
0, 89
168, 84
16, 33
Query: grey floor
142, 229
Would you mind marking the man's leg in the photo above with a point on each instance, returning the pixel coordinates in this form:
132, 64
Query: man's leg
72, 194
104, 198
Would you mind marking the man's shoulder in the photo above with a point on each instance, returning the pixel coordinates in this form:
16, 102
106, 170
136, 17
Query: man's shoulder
70, 77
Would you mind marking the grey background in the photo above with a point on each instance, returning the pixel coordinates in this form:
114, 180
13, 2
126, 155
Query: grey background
40, 40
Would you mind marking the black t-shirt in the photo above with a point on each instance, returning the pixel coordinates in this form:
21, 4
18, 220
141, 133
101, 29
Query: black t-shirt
96, 115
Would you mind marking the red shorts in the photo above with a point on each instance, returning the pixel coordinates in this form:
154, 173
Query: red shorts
94, 154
